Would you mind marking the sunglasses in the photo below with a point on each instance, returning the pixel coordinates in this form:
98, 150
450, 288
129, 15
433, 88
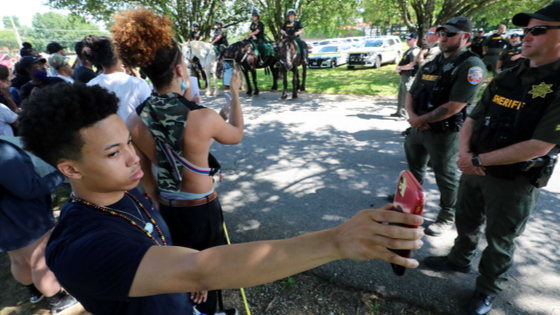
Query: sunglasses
539, 29
449, 34
431, 33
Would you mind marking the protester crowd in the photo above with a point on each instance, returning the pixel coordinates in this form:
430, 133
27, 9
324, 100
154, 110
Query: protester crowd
157, 248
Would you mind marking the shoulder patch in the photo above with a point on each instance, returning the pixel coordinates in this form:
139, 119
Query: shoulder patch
475, 75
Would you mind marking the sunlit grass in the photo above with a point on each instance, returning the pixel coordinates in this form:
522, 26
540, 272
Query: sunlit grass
382, 82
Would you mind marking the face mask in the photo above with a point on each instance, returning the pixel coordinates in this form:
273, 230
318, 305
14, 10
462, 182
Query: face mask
39, 74
183, 85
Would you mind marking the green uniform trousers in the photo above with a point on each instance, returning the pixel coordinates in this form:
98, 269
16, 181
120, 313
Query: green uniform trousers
404, 86
441, 149
490, 62
505, 206
302, 47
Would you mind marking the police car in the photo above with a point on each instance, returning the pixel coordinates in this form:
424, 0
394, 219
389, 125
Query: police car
329, 56
374, 51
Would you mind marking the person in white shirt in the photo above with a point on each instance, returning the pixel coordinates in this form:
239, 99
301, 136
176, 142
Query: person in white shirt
130, 90
62, 68
7, 119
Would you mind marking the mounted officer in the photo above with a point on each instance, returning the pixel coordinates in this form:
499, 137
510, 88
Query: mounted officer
257, 34
220, 37
196, 35
294, 28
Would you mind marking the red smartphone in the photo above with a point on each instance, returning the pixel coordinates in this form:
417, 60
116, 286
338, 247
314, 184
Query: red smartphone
409, 198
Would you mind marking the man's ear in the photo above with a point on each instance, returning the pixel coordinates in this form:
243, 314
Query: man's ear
69, 169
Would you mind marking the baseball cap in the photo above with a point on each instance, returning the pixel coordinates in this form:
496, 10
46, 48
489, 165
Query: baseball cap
412, 35
457, 24
54, 48
515, 35
481, 30
29, 60
550, 12
57, 60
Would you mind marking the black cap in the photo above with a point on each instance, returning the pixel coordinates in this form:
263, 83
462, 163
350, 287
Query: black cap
29, 60
515, 35
550, 12
457, 24
411, 36
54, 48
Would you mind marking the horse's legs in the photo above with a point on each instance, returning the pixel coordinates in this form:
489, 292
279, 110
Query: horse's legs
216, 92
249, 88
207, 72
254, 74
295, 82
285, 75
303, 75
274, 72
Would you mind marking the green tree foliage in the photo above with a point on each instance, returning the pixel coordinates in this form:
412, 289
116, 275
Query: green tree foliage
419, 15
54, 27
183, 13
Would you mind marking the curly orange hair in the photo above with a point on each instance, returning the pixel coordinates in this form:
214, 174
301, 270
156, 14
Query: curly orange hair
139, 34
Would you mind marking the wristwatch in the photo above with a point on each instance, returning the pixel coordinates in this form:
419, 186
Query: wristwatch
475, 161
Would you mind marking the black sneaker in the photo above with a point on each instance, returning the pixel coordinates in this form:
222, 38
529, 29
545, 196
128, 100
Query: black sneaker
442, 263
35, 296
391, 198
64, 304
396, 115
480, 304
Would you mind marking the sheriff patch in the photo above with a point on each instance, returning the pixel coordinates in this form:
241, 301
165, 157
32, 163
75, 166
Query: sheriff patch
475, 75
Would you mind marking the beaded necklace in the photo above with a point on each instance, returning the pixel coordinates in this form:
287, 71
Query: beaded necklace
115, 213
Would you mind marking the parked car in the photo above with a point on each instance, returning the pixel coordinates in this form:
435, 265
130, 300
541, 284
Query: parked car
330, 56
320, 44
374, 52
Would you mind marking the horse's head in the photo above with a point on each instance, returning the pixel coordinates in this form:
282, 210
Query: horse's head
288, 53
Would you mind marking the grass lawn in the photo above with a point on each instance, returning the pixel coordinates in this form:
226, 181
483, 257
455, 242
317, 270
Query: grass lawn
383, 81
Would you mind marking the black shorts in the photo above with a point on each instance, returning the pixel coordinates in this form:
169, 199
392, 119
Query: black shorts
198, 227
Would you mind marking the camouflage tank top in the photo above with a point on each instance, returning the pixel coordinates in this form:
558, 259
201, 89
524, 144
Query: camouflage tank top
165, 115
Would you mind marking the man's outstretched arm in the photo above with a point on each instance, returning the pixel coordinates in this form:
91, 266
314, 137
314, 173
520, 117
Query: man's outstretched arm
363, 237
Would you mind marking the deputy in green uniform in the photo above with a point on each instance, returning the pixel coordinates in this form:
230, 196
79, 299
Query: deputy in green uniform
516, 121
492, 46
196, 35
436, 105
511, 57
476, 45
294, 28
220, 36
407, 69
257, 34
431, 49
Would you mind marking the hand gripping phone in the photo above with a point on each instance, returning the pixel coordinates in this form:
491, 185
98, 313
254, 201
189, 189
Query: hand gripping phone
409, 198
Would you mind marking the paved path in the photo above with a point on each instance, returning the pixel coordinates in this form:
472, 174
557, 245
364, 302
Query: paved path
311, 164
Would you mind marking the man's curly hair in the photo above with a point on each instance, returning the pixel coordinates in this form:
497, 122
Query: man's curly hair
144, 39
52, 117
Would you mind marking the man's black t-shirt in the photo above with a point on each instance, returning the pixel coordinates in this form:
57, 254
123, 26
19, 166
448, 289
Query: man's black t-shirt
258, 26
20, 80
26, 89
292, 27
95, 256
83, 74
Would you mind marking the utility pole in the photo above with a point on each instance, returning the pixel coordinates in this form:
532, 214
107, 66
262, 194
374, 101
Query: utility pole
16, 31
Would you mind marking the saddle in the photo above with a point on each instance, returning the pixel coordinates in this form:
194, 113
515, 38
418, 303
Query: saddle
269, 50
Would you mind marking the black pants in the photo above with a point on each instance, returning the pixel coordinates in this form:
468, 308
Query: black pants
199, 228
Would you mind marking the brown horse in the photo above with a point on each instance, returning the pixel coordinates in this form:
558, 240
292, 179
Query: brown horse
243, 53
290, 60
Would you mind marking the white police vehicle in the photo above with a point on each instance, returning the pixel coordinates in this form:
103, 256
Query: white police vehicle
329, 56
374, 51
